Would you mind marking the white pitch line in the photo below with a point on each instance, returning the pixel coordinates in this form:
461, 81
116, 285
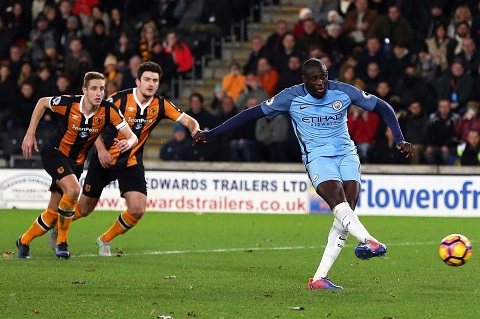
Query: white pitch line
227, 250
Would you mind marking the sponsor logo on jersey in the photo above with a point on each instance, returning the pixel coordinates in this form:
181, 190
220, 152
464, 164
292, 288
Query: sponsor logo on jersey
84, 129
315, 178
135, 120
305, 106
337, 105
322, 120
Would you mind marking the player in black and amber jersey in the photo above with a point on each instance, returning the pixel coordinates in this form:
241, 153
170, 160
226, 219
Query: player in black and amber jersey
143, 110
83, 118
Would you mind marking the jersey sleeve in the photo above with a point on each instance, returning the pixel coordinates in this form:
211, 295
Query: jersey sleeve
116, 117
358, 97
59, 104
278, 104
171, 111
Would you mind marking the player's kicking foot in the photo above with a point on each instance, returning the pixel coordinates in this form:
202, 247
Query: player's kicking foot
23, 250
322, 283
52, 238
369, 249
103, 247
61, 250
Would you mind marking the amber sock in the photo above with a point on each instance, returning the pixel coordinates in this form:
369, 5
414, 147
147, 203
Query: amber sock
124, 222
66, 211
77, 214
40, 226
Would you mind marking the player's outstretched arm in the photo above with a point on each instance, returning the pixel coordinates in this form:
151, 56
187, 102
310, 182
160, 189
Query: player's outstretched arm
29, 140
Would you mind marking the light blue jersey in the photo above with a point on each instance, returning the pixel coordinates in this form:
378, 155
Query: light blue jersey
320, 124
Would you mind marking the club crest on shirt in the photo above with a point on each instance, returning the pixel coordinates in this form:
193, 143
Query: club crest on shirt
337, 105
98, 120
153, 110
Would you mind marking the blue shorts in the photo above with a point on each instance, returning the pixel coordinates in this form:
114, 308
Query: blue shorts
338, 168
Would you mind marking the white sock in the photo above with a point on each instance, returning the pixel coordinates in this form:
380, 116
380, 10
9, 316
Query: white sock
336, 240
350, 222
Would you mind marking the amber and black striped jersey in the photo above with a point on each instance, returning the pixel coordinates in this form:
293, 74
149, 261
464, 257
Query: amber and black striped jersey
76, 133
142, 119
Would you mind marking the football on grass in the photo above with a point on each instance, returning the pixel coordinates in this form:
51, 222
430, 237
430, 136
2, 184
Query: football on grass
455, 250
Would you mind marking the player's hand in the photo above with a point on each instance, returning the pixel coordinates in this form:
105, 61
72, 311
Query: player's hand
199, 137
28, 143
406, 147
122, 145
105, 158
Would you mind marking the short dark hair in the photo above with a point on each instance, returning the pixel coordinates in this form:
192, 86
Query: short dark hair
149, 66
312, 63
92, 76
198, 95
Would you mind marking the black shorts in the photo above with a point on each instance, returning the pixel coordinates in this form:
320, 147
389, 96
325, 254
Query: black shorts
131, 178
58, 166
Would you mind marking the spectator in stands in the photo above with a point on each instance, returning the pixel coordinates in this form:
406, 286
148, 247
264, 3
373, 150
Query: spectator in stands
169, 69
65, 9
415, 128
440, 137
462, 15
437, 47
431, 20
426, 68
455, 86
22, 107
475, 27
163, 15
359, 21
54, 20
52, 59
98, 14
244, 146
179, 147
77, 63
292, 76
373, 78
111, 72
385, 151
470, 56
72, 30
280, 59
253, 88
148, 36
6, 39
298, 27
345, 6
110, 88
393, 28
83, 9
399, 60
26, 73
218, 95
205, 119
130, 74
321, 10
311, 36
268, 76
372, 53
258, 50
20, 22
272, 133
411, 87
123, 50
120, 25
469, 152
44, 81
234, 81
338, 43
227, 110
274, 42
181, 53
454, 46
347, 73
99, 44
63, 86
39, 36
469, 121
362, 127
7, 87
332, 69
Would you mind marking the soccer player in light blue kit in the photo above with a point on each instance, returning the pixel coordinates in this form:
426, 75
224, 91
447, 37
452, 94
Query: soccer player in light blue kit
318, 109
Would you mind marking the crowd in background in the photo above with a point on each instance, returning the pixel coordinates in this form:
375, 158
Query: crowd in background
421, 57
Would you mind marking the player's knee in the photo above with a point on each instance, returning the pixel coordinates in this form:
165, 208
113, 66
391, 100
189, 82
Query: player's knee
136, 212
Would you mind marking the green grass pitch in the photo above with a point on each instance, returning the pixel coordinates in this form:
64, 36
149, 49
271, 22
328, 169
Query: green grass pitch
184, 265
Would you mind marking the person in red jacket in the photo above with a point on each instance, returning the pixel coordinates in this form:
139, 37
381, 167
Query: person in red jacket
182, 55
